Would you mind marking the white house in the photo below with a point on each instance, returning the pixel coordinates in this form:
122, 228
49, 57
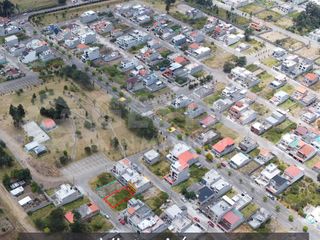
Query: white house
88, 16
11, 41
91, 54
239, 160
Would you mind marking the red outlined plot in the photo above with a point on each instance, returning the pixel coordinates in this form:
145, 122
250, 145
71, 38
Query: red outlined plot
118, 197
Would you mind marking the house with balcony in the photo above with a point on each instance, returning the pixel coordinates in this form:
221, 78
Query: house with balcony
279, 98
293, 174
264, 156
310, 79
194, 110
247, 145
223, 147
218, 210
239, 160
231, 220
277, 185
88, 16
245, 78
269, 172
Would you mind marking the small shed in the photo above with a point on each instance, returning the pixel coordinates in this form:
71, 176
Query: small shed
17, 191
25, 201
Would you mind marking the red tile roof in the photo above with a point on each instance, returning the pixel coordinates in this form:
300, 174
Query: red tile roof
311, 76
317, 165
69, 217
185, 157
180, 59
93, 207
223, 144
194, 46
306, 150
231, 217
48, 123
208, 120
292, 171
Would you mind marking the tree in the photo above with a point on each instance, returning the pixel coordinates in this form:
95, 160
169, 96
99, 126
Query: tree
265, 199
21, 174
290, 218
6, 8
17, 114
115, 143
305, 229
227, 67
247, 34
241, 61
56, 221
168, 4
277, 208
209, 157
318, 177
60, 111
87, 150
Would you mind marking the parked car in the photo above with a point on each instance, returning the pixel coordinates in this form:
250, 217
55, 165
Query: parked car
121, 220
196, 219
271, 196
211, 224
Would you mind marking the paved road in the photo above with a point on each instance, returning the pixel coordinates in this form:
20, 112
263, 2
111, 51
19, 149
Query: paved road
81, 173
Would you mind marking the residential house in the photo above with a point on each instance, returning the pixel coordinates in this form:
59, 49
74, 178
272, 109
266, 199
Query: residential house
221, 105
279, 53
179, 40
151, 157
223, 147
286, 8
102, 27
218, 210
208, 121
179, 222
267, 174
277, 117
193, 68
141, 218
196, 37
231, 220
237, 3
200, 52
207, 137
277, 185
293, 174
305, 153
230, 39
246, 78
47, 56
278, 82
88, 16
179, 172
194, 110
91, 54
127, 65
315, 35
309, 117
264, 156
88, 37
260, 127
11, 41
65, 194
195, 13
29, 57
238, 201
72, 42
310, 79
247, 145
239, 160
233, 93
181, 102
259, 218
220, 188
37, 45
205, 194
210, 177
127, 175
86, 212
279, 98
182, 152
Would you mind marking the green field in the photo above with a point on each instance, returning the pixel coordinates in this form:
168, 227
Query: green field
25, 5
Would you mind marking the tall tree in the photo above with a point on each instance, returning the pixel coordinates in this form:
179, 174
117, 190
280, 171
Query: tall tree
17, 114
168, 4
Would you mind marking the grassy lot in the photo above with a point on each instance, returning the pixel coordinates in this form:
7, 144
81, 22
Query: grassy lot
275, 133
290, 105
75, 204
197, 24
284, 22
260, 109
178, 120
249, 210
270, 62
313, 161
288, 89
265, 78
255, 46
118, 197
252, 8
218, 59
99, 223
252, 67
225, 131
71, 135
290, 44
114, 74
161, 168
300, 194
195, 176
155, 202
25, 5
61, 16
216, 95
101, 180
42, 213
268, 15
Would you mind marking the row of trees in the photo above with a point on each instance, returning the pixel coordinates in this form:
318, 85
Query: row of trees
308, 19
61, 110
78, 76
5, 159
17, 175
141, 126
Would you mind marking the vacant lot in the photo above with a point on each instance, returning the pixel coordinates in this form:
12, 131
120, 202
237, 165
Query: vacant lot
84, 128
290, 44
218, 59
252, 8
61, 16
160, 168
26, 5
309, 52
274, 134
195, 176
284, 22
216, 95
268, 15
273, 36
270, 62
